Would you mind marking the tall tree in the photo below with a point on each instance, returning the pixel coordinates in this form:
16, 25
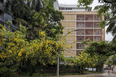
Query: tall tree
28, 55
37, 15
17, 8
37, 42
102, 50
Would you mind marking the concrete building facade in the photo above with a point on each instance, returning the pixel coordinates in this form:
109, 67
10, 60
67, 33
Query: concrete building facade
5, 17
87, 23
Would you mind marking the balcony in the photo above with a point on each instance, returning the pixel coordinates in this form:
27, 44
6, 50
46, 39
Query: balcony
80, 17
89, 38
89, 17
80, 32
80, 46
96, 25
89, 32
5, 22
80, 38
97, 18
98, 32
97, 38
80, 25
89, 25
86, 46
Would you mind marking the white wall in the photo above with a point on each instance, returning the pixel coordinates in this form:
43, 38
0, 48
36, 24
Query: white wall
56, 5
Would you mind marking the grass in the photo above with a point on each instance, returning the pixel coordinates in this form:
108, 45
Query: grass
37, 75
54, 74
92, 72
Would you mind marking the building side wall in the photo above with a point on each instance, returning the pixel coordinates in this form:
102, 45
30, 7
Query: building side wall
4, 17
87, 29
77, 12
69, 53
56, 5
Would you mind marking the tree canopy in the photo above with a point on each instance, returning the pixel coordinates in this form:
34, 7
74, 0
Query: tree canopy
36, 15
35, 43
103, 50
99, 48
17, 50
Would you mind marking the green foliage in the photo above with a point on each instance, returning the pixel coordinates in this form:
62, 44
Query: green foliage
68, 69
17, 50
35, 43
86, 42
82, 61
111, 60
113, 45
85, 3
102, 50
17, 8
7, 70
99, 48
36, 15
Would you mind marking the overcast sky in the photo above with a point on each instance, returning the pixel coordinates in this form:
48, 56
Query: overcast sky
108, 37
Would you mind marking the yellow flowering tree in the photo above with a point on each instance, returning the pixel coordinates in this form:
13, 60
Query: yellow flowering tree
16, 49
82, 61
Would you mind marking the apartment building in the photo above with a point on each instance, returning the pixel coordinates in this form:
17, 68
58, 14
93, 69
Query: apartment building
5, 17
87, 23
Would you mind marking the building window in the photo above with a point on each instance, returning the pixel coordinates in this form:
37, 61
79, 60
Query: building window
80, 38
97, 38
62, 9
97, 18
97, 32
97, 24
80, 32
87, 38
89, 32
86, 45
80, 46
89, 17
80, 17
80, 24
89, 24
1, 14
68, 8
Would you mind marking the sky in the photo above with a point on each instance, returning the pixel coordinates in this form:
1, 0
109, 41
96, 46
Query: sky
108, 37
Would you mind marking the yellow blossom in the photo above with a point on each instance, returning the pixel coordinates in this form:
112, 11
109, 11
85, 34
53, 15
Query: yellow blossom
19, 54
3, 29
10, 51
42, 33
68, 36
44, 64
